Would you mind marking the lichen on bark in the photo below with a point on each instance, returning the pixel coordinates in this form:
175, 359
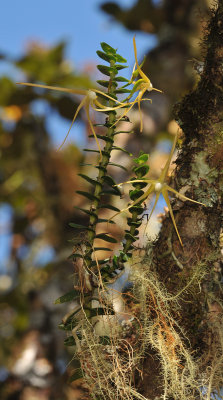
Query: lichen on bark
199, 174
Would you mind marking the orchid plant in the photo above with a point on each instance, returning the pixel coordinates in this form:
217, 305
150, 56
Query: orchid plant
141, 86
158, 187
92, 274
90, 100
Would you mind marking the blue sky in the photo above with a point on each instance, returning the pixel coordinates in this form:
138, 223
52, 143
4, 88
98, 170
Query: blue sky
82, 24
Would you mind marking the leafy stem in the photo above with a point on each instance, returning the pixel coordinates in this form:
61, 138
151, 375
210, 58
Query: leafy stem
106, 154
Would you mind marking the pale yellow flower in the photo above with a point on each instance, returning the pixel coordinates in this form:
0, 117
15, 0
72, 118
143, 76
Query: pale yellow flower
159, 186
90, 100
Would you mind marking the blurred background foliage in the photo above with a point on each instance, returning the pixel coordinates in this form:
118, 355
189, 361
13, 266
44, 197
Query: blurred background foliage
38, 184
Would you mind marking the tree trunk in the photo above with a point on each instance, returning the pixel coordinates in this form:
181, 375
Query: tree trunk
199, 174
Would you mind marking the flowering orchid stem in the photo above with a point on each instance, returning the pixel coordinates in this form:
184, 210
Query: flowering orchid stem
102, 169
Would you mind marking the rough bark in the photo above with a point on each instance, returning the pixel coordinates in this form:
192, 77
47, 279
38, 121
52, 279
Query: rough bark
199, 174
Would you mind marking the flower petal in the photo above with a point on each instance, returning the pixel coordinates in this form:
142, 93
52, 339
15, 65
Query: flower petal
181, 196
73, 120
92, 129
59, 89
141, 73
166, 198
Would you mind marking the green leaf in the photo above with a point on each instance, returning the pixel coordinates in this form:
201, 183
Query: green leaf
78, 226
121, 79
69, 296
119, 67
106, 238
128, 236
94, 182
91, 150
69, 341
99, 262
124, 256
136, 223
103, 83
105, 56
107, 70
89, 212
101, 220
87, 195
109, 180
105, 138
102, 249
117, 132
118, 165
143, 158
107, 48
78, 374
109, 207
105, 268
65, 327
100, 167
120, 91
135, 194
142, 170
121, 149
111, 192
75, 255
77, 309
120, 59
140, 185
137, 208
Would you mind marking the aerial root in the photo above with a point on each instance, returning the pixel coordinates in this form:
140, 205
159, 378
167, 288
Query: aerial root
153, 322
